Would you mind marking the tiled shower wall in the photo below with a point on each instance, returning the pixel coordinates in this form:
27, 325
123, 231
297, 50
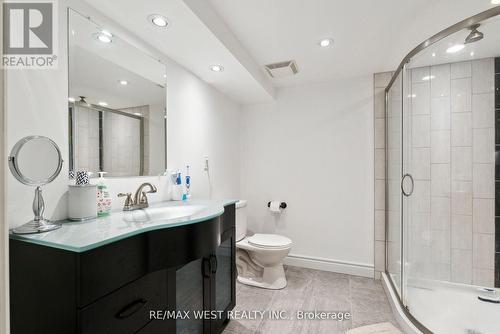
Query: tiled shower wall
86, 137
121, 142
381, 80
451, 156
451, 226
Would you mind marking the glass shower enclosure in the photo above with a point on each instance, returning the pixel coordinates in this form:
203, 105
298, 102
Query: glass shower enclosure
442, 139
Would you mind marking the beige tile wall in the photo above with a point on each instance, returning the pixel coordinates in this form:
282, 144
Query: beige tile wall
122, 149
451, 225
121, 141
452, 104
86, 139
381, 80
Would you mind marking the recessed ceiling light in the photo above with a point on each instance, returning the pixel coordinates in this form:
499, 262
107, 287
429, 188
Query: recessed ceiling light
137, 114
103, 37
158, 20
495, 2
455, 48
428, 77
123, 82
103, 104
472, 52
164, 75
71, 99
434, 54
326, 42
216, 68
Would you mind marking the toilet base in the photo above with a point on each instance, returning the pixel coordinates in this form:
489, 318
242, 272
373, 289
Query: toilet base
272, 278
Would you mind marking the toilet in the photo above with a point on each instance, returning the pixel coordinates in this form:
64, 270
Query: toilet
259, 258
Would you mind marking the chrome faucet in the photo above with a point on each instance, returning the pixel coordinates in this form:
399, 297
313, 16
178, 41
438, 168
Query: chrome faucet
140, 200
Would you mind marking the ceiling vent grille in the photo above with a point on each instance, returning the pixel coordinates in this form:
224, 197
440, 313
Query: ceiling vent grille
282, 69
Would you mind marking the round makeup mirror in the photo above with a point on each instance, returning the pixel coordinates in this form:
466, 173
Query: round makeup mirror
36, 161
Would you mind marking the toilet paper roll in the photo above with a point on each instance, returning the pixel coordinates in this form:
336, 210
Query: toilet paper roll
274, 207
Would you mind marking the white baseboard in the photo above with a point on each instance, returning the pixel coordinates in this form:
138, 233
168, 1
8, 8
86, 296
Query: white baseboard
350, 268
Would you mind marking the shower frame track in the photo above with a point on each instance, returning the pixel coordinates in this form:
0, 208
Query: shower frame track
478, 18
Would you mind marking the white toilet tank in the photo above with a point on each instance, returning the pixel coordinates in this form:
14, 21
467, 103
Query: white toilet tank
241, 219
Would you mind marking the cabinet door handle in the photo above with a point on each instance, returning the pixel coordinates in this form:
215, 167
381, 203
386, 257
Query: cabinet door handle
131, 308
213, 264
206, 268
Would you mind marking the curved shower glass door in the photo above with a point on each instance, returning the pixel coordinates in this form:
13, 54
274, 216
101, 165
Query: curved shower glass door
450, 242
442, 139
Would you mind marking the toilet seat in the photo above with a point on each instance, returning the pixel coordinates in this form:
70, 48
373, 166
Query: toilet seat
269, 241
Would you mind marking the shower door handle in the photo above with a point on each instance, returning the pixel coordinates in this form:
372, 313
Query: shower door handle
407, 194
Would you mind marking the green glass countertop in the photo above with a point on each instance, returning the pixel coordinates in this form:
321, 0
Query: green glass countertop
83, 236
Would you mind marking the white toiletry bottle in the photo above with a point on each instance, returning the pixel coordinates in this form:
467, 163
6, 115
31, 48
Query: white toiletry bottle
103, 197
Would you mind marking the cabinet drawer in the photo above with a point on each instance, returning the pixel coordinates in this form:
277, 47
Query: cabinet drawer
127, 309
104, 269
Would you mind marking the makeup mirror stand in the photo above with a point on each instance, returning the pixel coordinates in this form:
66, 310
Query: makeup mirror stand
38, 224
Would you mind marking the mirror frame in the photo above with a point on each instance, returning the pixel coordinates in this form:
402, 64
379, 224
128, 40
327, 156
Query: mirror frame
14, 168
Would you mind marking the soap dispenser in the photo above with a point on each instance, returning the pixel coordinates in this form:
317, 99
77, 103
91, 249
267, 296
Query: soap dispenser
103, 197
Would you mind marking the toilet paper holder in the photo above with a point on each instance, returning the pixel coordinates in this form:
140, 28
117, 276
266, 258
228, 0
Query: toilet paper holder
282, 205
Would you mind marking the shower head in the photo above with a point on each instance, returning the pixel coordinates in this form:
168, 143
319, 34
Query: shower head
475, 35
83, 101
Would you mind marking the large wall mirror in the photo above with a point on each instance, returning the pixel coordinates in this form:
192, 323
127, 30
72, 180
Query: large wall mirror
117, 104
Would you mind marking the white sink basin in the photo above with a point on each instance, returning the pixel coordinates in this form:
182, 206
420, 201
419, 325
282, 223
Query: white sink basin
154, 214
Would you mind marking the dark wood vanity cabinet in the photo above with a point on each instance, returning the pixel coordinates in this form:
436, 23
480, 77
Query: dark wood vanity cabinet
215, 290
224, 280
126, 286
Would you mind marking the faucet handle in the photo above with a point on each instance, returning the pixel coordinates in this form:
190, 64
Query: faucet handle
129, 202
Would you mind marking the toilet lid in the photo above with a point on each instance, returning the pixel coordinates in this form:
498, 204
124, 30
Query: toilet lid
269, 240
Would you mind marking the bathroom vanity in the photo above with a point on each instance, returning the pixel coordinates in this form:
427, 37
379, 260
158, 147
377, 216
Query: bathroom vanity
117, 274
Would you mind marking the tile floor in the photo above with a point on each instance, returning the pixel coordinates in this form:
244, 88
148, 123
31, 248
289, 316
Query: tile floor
310, 290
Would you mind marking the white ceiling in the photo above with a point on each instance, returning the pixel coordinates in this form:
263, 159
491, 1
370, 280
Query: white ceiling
97, 79
82, 33
190, 43
370, 36
96, 68
280, 30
